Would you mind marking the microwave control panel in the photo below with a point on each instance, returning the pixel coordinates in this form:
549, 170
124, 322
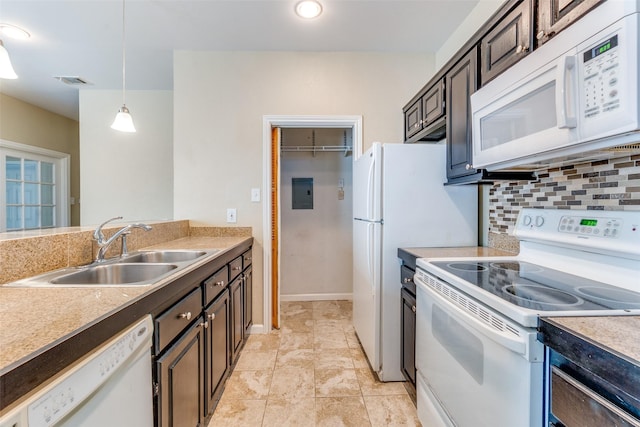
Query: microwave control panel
601, 78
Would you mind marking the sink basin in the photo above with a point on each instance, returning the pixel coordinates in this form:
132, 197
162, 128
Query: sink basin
114, 274
164, 256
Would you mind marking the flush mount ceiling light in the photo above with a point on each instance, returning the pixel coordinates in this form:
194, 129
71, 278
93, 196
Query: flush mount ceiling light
308, 9
123, 121
14, 32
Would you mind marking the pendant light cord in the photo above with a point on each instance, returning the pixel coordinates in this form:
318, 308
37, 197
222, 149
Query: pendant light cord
124, 74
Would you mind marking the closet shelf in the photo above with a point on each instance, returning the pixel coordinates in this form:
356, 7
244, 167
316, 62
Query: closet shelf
317, 149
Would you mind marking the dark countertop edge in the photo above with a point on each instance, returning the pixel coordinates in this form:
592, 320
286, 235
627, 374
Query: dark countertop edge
591, 355
23, 376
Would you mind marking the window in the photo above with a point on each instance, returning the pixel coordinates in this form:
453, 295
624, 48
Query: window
34, 183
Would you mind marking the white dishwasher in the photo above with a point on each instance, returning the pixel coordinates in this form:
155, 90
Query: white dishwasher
112, 386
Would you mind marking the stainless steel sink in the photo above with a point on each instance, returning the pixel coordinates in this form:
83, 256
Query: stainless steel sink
114, 274
163, 256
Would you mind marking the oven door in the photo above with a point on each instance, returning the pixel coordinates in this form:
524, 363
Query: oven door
475, 374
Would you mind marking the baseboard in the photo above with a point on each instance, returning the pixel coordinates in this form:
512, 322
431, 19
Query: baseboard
256, 329
316, 297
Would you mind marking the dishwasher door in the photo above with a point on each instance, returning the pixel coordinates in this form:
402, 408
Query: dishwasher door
112, 386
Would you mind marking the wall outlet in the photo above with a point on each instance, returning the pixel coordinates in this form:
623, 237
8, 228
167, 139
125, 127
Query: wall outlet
255, 194
232, 215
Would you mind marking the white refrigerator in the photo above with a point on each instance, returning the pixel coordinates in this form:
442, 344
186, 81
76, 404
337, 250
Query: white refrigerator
399, 200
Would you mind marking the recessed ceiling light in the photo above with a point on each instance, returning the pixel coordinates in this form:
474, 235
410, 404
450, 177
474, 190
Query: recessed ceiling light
308, 9
14, 32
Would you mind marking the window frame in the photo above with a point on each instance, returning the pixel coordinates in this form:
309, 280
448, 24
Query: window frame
62, 179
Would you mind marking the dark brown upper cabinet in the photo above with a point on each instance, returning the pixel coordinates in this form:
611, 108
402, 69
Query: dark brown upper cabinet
424, 118
556, 15
507, 43
462, 81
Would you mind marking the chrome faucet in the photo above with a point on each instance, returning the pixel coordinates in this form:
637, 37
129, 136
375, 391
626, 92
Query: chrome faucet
104, 244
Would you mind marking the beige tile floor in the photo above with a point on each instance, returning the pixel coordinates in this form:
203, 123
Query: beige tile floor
312, 372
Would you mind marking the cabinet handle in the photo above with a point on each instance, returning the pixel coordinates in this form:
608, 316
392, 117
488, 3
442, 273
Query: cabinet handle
186, 315
540, 35
236, 268
468, 166
248, 258
413, 308
212, 316
220, 283
204, 324
521, 49
408, 279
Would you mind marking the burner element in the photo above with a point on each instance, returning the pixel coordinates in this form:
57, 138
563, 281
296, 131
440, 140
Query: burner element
467, 266
542, 295
621, 296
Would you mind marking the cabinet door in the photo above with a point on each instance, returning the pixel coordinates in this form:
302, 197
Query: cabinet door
217, 349
461, 82
248, 300
408, 336
433, 104
507, 43
237, 321
556, 15
413, 119
181, 376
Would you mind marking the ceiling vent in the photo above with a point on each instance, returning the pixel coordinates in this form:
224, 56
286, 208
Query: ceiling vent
73, 80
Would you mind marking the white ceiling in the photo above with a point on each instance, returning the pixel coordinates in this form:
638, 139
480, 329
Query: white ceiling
83, 37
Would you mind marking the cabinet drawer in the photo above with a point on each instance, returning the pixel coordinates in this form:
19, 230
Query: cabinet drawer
406, 278
173, 321
246, 259
215, 284
235, 268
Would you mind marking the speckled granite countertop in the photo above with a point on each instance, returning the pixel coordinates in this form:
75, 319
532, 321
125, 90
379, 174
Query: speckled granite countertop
35, 319
619, 335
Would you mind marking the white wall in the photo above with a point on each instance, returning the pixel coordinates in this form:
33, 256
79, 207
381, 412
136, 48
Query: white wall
122, 174
472, 23
316, 244
220, 99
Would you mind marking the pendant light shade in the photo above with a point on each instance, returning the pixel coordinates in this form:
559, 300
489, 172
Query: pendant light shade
6, 69
123, 121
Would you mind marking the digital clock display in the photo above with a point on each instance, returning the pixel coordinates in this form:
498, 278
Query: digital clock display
601, 48
589, 222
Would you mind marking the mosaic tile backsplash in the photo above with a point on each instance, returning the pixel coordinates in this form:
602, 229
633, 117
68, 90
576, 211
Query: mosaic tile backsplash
612, 184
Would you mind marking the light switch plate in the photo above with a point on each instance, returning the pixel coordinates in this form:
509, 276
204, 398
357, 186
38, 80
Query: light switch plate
231, 215
255, 194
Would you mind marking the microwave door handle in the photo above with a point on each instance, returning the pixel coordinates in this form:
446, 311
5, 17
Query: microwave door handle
565, 96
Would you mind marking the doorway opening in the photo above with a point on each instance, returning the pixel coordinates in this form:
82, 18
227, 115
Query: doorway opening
299, 138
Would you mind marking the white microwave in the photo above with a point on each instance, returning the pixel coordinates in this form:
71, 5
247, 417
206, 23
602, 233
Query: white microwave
572, 99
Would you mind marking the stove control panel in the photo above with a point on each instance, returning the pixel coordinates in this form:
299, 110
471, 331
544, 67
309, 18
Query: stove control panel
607, 232
592, 225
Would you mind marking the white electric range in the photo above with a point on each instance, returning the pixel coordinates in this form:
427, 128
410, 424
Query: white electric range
478, 360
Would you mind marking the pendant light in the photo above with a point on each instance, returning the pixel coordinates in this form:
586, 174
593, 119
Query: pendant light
123, 121
6, 69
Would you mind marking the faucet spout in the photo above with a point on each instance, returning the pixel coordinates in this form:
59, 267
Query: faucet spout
104, 244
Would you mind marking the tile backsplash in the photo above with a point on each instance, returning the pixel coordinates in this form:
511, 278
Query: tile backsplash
612, 184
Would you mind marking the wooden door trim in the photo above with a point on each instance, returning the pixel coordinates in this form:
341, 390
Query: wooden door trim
268, 123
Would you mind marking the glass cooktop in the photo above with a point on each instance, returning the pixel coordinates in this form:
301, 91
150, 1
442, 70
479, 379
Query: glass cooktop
539, 288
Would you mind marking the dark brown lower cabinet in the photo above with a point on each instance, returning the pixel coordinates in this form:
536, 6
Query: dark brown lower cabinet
409, 336
217, 348
237, 319
248, 299
181, 372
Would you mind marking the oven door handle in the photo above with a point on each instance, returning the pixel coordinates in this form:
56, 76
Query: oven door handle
506, 339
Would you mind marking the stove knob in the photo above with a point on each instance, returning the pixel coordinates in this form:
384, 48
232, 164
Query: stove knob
526, 220
539, 221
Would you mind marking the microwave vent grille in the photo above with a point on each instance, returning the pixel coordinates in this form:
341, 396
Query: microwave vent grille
628, 147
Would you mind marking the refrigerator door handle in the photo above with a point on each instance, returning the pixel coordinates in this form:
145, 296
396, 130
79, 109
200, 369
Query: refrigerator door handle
370, 190
370, 231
